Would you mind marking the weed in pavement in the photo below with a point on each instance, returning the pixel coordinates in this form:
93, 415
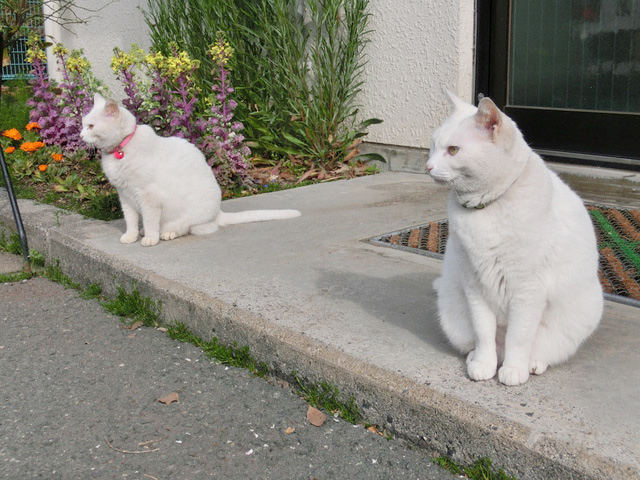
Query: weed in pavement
234, 356
134, 307
14, 277
327, 396
482, 469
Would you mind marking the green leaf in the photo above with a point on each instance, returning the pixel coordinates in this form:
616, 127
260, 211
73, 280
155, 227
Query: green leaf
370, 121
371, 157
294, 140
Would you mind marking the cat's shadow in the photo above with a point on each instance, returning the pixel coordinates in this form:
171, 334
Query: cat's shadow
404, 301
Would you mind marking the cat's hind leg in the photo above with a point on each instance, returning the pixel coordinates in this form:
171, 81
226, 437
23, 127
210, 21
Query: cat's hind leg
566, 324
204, 228
172, 230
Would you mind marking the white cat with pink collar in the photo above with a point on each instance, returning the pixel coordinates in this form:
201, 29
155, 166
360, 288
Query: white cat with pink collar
164, 180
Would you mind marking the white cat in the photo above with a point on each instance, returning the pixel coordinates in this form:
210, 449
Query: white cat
519, 285
165, 180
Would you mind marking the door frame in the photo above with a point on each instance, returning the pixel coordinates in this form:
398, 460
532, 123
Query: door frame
569, 136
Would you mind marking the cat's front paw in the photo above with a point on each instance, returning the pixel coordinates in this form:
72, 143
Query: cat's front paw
513, 375
481, 371
150, 241
129, 238
168, 236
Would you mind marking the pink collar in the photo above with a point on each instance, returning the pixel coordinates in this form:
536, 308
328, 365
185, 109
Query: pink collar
117, 152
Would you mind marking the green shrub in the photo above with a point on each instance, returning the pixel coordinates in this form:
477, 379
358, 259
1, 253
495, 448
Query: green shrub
297, 67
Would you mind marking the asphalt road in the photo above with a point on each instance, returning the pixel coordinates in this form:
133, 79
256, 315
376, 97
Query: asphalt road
79, 400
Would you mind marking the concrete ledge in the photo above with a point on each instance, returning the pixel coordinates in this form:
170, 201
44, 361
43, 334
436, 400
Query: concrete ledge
308, 295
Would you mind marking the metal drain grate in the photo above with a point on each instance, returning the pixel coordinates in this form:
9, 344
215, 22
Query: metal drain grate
617, 232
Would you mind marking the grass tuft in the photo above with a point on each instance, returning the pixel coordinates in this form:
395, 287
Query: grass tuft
54, 273
327, 396
93, 291
482, 469
15, 277
234, 356
134, 307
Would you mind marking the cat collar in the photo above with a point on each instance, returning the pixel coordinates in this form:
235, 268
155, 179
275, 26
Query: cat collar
480, 206
117, 152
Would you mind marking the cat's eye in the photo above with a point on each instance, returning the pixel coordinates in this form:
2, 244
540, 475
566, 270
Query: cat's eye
90, 126
452, 150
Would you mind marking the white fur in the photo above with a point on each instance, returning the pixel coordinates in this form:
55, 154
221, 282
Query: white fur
519, 288
165, 180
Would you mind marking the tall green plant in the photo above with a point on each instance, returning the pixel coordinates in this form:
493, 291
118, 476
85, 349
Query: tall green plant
298, 67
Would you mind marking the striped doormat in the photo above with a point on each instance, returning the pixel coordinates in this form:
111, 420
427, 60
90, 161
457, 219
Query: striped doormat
617, 232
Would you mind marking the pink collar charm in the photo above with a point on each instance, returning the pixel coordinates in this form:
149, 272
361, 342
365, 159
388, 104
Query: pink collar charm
117, 152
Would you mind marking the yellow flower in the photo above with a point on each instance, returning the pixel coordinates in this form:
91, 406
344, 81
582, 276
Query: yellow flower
60, 50
77, 63
13, 134
10, 149
35, 50
122, 60
171, 66
31, 125
221, 52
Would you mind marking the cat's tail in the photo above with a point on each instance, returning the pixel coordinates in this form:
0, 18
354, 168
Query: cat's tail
248, 216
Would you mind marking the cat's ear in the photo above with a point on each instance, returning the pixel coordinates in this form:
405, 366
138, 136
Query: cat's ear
111, 108
457, 102
488, 117
98, 99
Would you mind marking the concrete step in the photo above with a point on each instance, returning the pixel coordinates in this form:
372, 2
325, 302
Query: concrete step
311, 296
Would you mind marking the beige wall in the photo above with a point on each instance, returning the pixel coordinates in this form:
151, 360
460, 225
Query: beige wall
110, 23
418, 48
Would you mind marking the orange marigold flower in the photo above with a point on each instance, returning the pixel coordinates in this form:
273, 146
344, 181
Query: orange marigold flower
31, 146
57, 157
13, 134
10, 149
32, 125
43, 168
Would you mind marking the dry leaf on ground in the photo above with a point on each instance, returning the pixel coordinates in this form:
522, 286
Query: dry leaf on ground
316, 417
167, 399
134, 325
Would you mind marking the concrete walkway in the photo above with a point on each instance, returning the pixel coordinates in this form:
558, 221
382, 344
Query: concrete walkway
310, 295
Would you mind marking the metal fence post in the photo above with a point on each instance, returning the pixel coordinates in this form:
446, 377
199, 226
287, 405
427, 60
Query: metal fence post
26, 262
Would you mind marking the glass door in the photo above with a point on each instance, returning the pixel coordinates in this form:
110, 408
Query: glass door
568, 73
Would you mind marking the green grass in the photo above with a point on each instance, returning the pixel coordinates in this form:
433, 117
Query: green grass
54, 273
93, 291
482, 469
234, 356
326, 396
134, 307
15, 277
14, 111
13, 245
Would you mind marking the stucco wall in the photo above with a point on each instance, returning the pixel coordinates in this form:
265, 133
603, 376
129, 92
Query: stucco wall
109, 24
417, 48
